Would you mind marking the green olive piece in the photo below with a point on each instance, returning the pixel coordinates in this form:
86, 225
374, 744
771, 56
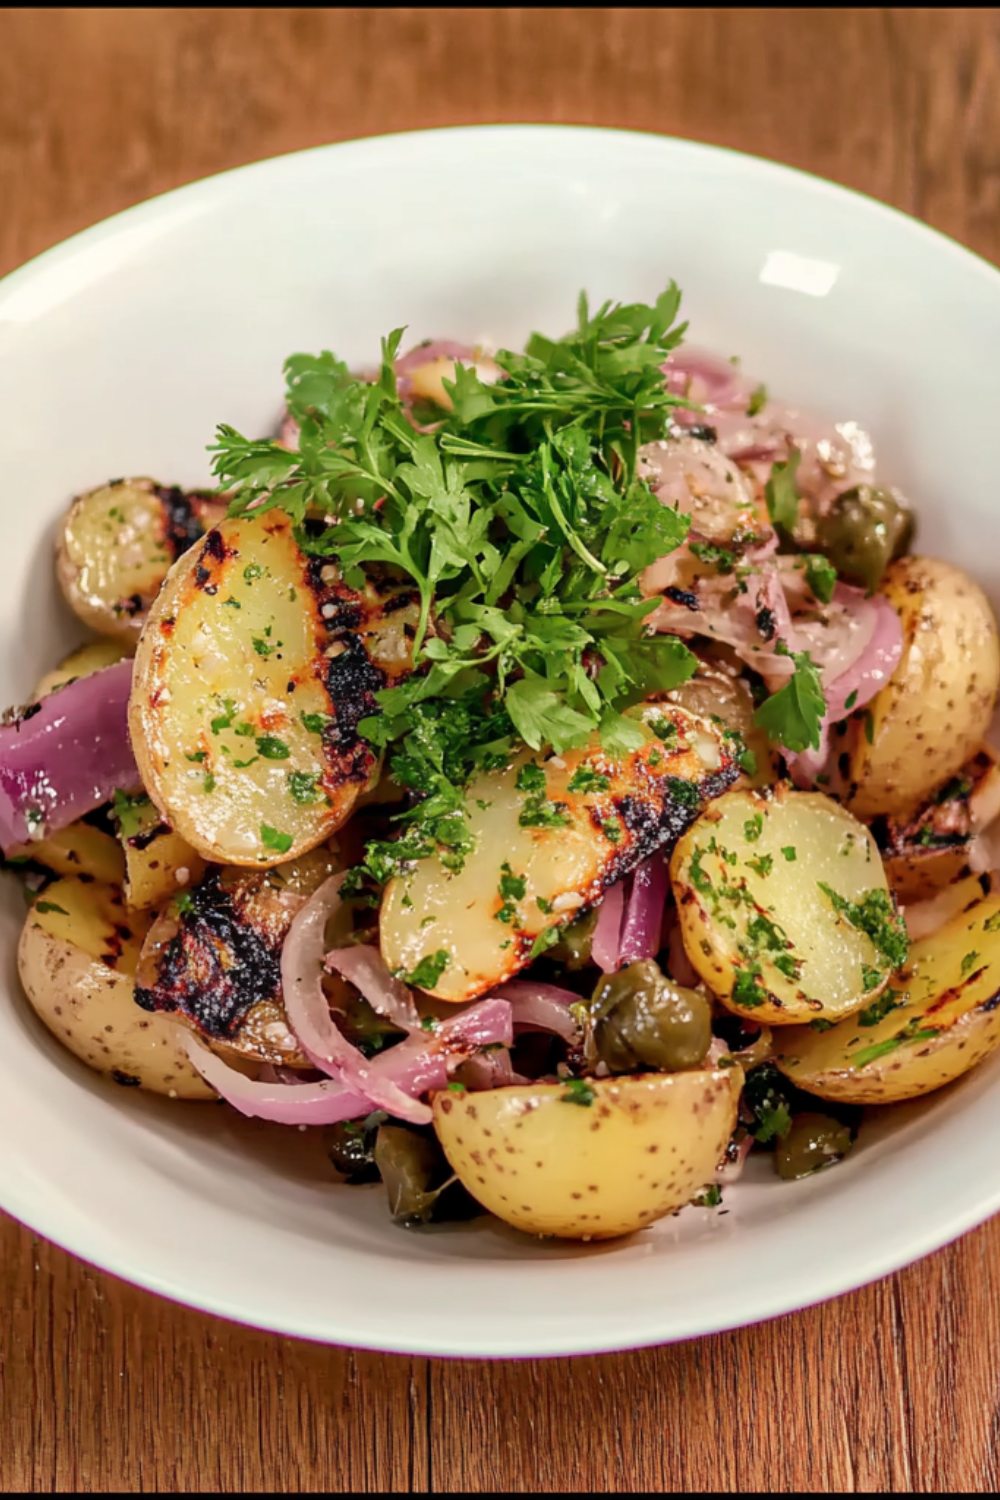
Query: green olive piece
575, 941
863, 532
814, 1141
642, 1019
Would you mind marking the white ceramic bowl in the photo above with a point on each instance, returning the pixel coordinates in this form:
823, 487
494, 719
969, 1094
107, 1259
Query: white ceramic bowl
121, 349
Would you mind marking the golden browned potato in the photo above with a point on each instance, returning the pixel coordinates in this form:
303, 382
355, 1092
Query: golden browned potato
589, 1160
778, 897
934, 712
717, 694
158, 862
77, 959
929, 851
939, 1018
252, 675
549, 835
81, 663
117, 543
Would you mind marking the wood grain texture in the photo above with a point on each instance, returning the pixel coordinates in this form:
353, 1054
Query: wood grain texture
896, 1387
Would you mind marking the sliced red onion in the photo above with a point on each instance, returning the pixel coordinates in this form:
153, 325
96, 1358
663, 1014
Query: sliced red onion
66, 755
283, 1103
365, 968
856, 667
644, 912
606, 942
309, 1013
288, 434
542, 1007
707, 379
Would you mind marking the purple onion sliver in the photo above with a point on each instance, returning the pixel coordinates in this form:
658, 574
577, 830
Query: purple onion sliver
66, 755
606, 942
644, 914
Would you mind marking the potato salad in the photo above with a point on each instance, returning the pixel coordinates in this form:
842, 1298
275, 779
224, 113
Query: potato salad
552, 774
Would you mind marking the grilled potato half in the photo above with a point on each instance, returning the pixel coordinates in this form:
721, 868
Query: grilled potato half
939, 1019
212, 958
934, 712
560, 832
77, 960
253, 672
779, 897
117, 544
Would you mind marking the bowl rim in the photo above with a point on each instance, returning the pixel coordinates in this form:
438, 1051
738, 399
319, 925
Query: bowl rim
836, 1280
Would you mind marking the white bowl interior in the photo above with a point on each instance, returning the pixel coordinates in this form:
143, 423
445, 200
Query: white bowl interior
119, 352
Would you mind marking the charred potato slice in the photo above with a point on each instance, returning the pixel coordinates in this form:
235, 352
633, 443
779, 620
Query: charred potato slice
725, 699
926, 853
252, 675
934, 713
77, 959
774, 895
567, 828
589, 1160
939, 1019
79, 850
158, 862
117, 544
81, 663
212, 959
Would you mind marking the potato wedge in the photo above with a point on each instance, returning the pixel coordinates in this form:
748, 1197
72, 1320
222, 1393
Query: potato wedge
924, 917
927, 852
81, 663
592, 1160
945, 1019
77, 960
251, 677
568, 829
117, 543
934, 713
212, 959
158, 862
766, 888
79, 849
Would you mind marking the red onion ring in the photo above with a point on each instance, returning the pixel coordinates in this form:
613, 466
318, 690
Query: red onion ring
365, 968
542, 1007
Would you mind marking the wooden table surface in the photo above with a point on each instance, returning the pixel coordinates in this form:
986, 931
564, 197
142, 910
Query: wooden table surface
896, 1387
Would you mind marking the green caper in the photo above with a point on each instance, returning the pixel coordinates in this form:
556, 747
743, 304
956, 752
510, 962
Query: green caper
814, 1141
642, 1019
409, 1164
865, 529
350, 1145
572, 949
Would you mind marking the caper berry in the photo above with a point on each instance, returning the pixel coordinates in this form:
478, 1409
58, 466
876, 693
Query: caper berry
865, 529
814, 1141
572, 949
642, 1019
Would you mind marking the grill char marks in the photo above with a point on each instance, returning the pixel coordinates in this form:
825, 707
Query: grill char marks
184, 515
216, 961
211, 562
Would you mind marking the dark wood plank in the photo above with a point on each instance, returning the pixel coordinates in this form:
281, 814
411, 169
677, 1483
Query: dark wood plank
894, 1387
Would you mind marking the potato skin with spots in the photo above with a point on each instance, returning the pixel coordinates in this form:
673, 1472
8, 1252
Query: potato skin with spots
641, 1148
934, 712
952, 980
255, 667
77, 958
635, 805
117, 544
